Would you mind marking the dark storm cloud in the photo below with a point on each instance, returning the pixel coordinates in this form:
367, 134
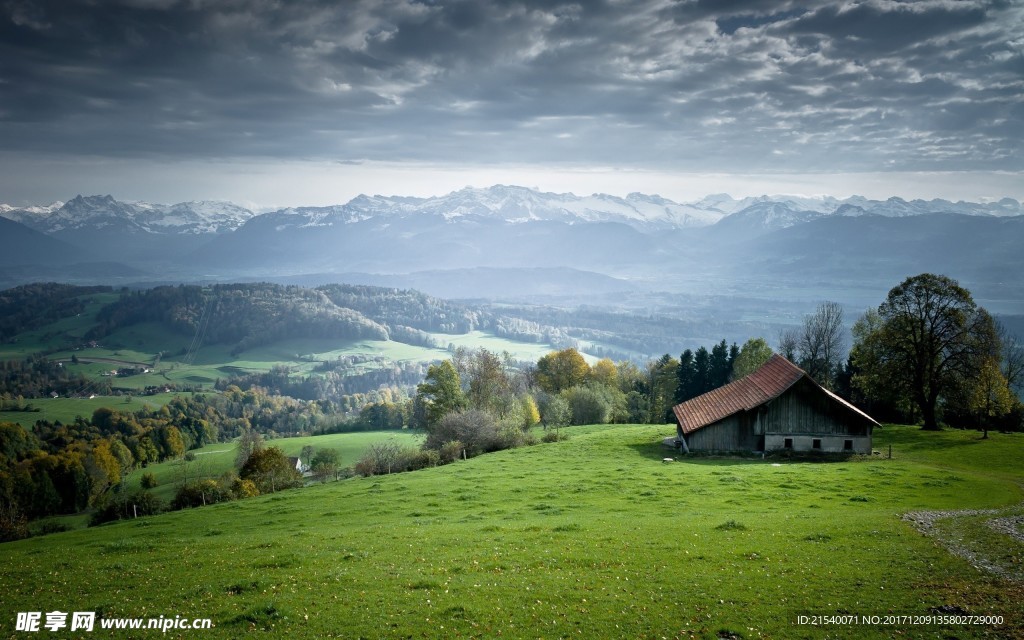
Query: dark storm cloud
738, 85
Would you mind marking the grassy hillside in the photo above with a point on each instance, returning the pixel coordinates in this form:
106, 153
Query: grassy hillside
595, 537
66, 409
139, 345
213, 460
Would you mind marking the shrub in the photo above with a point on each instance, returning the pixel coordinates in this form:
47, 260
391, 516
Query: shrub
510, 436
384, 457
422, 459
450, 451
589, 404
244, 488
200, 493
364, 467
148, 481
13, 523
552, 435
125, 506
47, 528
475, 429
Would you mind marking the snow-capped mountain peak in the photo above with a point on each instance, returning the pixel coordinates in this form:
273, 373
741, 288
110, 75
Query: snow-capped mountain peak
105, 212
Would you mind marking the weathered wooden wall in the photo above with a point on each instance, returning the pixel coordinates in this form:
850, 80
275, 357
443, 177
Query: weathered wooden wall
735, 433
804, 409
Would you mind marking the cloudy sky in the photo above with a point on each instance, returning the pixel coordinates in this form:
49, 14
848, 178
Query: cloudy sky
270, 102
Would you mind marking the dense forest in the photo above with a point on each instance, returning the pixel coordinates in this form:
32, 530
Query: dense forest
241, 315
32, 306
38, 377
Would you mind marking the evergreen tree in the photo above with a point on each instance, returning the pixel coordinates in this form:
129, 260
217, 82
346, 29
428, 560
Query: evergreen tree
720, 366
702, 372
685, 375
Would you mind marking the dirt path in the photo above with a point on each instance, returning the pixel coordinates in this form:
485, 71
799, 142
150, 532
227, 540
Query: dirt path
1012, 525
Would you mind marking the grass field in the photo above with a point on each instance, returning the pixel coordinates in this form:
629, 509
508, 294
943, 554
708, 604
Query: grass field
595, 537
213, 460
66, 409
138, 345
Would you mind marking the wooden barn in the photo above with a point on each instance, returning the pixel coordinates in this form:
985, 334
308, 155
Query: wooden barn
778, 407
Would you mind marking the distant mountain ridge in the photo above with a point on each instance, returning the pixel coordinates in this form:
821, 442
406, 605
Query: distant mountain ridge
511, 204
104, 212
513, 241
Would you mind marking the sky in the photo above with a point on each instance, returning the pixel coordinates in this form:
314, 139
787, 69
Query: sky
274, 102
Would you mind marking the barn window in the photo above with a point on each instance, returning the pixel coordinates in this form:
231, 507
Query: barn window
847, 445
788, 443
816, 443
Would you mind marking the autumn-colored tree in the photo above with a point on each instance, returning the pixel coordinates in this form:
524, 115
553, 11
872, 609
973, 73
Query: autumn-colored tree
990, 398
561, 370
604, 372
530, 413
102, 468
270, 470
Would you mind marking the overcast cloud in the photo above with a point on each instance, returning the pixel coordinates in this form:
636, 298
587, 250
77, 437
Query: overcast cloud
732, 87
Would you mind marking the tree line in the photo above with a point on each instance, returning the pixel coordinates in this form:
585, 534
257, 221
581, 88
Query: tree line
241, 315
59, 468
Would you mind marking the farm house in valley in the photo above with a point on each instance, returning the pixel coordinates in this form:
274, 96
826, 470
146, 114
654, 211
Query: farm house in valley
776, 408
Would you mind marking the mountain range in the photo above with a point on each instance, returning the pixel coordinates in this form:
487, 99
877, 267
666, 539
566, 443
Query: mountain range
638, 240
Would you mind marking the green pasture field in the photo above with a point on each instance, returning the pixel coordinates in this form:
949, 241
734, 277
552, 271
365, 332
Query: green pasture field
138, 345
594, 537
67, 409
527, 351
214, 460
57, 334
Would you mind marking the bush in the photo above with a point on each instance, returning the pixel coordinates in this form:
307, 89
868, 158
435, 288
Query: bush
13, 524
148, 481
554, 436
589, 404
125, 506
510, 436
450, 451
384, 457
422, 459
200, 493
244, 488
47, 528
475, 429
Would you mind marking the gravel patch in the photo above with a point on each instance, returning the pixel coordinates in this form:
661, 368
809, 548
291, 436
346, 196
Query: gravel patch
925, 522
1012, 526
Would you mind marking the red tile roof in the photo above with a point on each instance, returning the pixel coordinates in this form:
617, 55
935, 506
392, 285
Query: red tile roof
767, 383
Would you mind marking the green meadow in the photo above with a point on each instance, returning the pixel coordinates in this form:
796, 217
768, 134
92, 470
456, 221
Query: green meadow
214, 460
140, 344
66, 410
594, 537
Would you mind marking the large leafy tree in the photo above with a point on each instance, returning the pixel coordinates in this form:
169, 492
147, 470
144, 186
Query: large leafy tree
925, 340
270, 470
442, 392
755, 352
562, 370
